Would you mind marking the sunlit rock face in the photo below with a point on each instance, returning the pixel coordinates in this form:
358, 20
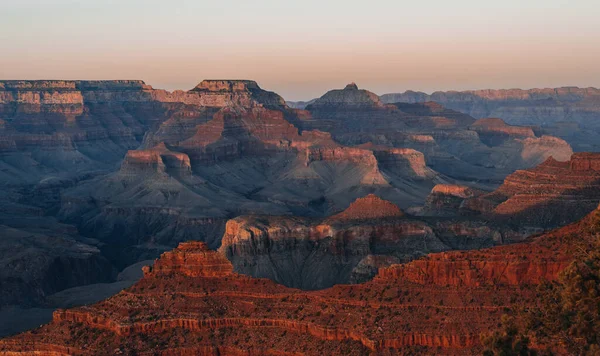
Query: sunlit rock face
133, 171
449, 200
191, 302
552, 194
75, 127
349, 246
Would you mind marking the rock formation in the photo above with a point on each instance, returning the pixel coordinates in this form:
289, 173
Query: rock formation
192, 303
448, 200
135, 170
571, 113
494, 131
453, 143
551, 194
368, 208
50, 125
349, 246
243, 160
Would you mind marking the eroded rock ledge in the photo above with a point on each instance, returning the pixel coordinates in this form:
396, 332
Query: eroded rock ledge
349, 246
191, 302
554, 193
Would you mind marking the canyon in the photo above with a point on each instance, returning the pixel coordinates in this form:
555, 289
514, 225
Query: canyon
99, 177
570, 113
191, 302
551, 194
349, 246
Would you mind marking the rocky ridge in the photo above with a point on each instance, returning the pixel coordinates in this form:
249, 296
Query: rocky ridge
73, 127
453, 143
192, 303
140, 169
245, 160
569, 112
352, 245
552, 194
448, 200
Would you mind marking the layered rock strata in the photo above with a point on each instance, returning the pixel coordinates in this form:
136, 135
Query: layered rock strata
142, 169
448, 200
242, 160
349, 246
453, 143
552, 194
191, 303
569, 112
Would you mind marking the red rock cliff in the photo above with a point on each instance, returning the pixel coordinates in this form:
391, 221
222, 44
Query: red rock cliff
191, 301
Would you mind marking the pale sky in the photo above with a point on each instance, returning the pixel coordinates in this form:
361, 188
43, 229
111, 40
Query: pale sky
300, 49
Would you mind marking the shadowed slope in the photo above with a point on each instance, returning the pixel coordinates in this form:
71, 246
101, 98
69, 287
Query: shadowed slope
349, 246
551, 194
191, 303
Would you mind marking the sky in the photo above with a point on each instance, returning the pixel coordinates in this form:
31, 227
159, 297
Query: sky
301, 49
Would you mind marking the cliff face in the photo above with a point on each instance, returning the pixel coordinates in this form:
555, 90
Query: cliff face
349, 246
191, 259
368, 208
495, 131
551, 194
453, 143
551, 104
523, 264
206, 164
551, 108
191, 302
73, 127
352, 109
449, 200
142, 169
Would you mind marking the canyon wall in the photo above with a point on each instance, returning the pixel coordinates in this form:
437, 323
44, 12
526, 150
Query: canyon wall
554, 193
191, 302
135, 170
349, 246
569, 112
453, 143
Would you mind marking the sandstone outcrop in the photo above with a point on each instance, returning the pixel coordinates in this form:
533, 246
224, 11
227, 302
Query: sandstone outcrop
191, 259
493, 131
552, 194
348, 246
191, 303
449, 200
157, 159
142, 169
368, 208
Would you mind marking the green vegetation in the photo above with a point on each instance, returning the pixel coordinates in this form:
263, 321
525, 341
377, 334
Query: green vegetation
570, 307
567, 315
507, 341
